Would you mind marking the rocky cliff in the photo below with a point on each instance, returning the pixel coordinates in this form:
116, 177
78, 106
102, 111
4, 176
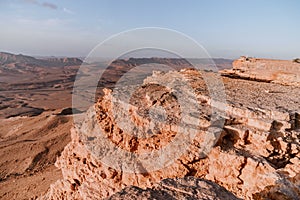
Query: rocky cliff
267, 70
151, 133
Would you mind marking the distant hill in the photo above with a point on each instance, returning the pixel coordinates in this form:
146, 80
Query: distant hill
19, 71
177, 63
8, 58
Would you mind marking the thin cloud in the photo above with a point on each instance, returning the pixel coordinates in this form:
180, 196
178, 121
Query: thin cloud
43, 4
50, 5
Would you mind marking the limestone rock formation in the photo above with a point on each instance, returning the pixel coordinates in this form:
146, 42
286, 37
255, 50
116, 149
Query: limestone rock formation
143, 134
267, 70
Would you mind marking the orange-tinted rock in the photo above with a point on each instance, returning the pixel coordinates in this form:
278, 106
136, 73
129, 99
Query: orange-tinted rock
255, 155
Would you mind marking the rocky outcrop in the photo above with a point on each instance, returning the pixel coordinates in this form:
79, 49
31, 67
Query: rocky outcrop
185, 188
165, 128
278, 71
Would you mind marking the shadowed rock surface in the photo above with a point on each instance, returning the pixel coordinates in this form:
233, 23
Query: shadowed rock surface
185, 188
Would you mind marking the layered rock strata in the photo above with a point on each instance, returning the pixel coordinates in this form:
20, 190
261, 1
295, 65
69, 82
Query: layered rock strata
251, 148
278, 71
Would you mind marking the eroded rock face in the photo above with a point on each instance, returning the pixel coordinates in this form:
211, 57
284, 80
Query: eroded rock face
252, 151
278, 71
184, 188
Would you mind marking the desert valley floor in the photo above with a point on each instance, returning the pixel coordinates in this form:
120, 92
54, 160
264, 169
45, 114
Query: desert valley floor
36, 118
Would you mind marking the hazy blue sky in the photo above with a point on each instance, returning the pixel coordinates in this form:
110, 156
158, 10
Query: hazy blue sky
226, 28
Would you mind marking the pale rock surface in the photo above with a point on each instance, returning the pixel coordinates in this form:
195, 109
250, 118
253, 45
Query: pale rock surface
278, 71
255, 155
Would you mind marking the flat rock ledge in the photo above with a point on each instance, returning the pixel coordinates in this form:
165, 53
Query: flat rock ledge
255, 155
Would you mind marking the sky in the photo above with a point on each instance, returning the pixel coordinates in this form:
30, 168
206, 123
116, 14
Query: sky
225, 28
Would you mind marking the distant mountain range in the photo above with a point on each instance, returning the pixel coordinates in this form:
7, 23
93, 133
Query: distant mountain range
24, 60
8, 58
177, 63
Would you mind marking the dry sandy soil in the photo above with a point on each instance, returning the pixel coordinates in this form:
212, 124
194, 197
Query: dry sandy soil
32, 133
29, 147
36, 115
35, 120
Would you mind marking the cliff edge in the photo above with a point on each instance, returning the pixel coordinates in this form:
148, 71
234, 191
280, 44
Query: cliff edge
267, 70
252, 149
